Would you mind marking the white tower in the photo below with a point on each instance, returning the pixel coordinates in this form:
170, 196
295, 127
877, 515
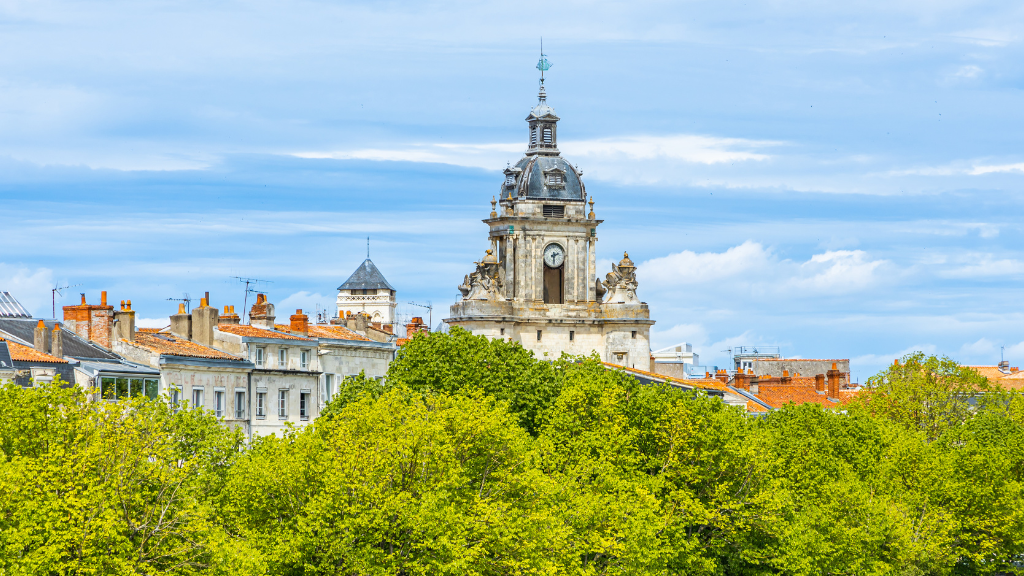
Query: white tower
366, 291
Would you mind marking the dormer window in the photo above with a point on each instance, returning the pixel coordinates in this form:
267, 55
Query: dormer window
547, 135
554, 178
510, 180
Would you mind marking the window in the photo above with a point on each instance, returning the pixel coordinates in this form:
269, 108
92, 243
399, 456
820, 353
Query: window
175, 398
197, 397
304, 405
282, 358
502, 331
633, 336
282, 403
107, 389
538, 334
257, 357
304, 359
152, 388
554, 211
510, 180
533, 136
547, 135
261, 404
328, 386
121, 386
572, 335
239, 404
218, 403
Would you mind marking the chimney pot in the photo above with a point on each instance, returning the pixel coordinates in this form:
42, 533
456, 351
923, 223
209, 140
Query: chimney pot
181, 308
103, 298
785, 373
129, 304
122, 304
83, 298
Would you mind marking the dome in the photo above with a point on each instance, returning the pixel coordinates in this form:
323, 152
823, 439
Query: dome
547, 177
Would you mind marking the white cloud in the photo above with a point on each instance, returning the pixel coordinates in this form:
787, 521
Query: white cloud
967, 72
305, 301
983, 266
986, 37
694, 334
31, 287
689, 267
683, 147
152, 322
838, 271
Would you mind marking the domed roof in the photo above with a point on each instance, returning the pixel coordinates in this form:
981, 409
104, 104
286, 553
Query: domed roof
551, 177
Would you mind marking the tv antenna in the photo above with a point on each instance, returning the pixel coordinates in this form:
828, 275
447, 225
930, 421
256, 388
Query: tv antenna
250, 286
59, 290
430, 313
186, 299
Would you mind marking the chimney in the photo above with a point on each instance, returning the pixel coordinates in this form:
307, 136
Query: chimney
261, 314
833, 382
91, 322
229, 316
786, 378
357, 323
40, 337
124, 322
57, 341
1004, 366
741, 380
299, 323
722, 376
204, 319
416, 326
181, 323
752, 385
819, 383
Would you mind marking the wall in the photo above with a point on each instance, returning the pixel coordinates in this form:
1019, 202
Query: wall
774, 367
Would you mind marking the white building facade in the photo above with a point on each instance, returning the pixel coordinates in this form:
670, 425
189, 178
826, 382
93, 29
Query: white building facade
367, 292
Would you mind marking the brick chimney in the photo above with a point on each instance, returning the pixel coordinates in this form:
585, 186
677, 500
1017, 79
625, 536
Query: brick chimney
833, 381
124, 322
261, 315
57, 341
204, 319
786, 378
91, 322
415, 326
299, 323
819, 383
741, 381
181, 323
229, 316
40, 338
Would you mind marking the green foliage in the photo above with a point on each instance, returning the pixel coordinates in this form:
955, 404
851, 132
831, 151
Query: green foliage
476, 458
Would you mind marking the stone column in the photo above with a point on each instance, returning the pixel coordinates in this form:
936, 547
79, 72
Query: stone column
592, 261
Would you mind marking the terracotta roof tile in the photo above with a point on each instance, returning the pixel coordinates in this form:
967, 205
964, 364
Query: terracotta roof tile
254, 332
151, 330
703, 383
335, 332
778, 396
174, 346
755, 407
1012, 381
22, 353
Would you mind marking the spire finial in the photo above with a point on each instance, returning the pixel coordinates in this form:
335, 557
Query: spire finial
542, 65
367, 247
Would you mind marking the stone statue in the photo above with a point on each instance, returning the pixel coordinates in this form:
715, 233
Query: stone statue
487, 282
621, 282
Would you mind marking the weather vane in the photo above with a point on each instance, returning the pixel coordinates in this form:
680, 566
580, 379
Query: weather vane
543, 63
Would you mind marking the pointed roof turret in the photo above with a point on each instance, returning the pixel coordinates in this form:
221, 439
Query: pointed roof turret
366, 277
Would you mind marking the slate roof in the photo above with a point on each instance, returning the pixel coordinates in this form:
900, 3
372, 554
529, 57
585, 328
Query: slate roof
11, 308
73, 345
532, 182
6, 362
366, 277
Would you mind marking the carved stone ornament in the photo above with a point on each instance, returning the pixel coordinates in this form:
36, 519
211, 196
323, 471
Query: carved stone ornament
487, 282
621, 282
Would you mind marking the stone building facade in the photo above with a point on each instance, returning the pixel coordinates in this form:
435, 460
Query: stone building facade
537, 283
367, 292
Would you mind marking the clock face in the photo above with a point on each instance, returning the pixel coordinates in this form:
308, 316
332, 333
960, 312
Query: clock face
554, 256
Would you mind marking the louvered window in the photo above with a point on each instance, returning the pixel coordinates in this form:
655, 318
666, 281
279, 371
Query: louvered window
547, 135
533, 136
551, 211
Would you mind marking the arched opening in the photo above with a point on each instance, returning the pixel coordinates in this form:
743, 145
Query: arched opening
553, 282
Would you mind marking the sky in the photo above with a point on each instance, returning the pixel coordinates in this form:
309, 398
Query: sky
842, 180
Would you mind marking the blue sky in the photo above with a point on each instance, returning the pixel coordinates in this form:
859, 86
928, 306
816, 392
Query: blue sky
838, 180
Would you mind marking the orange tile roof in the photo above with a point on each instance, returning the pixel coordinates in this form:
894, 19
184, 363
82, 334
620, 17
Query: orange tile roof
174, 346
703, 383
23, 353
778, 396
151, 330
801, 359
1012, 381
320, 331
254, 332
755, 407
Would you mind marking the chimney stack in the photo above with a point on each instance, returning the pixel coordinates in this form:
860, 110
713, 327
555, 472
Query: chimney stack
819, 383
124, 322
229, 316
1004, 366
786, 378
833, 382
356, 322
181, 323
204, 319
57, 341
261, 314
722, 376
416, 326
741, 381
91, 322
40, 338
299, 323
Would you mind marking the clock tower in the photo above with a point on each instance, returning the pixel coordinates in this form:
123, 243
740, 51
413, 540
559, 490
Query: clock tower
537, 282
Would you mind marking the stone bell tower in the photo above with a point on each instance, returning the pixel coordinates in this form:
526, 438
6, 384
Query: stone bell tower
537, 283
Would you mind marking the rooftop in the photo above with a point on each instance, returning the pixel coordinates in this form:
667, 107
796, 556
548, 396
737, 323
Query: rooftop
74, 345
254, 332
335, 332
171, 345
22, 353
11, 308
366, 277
